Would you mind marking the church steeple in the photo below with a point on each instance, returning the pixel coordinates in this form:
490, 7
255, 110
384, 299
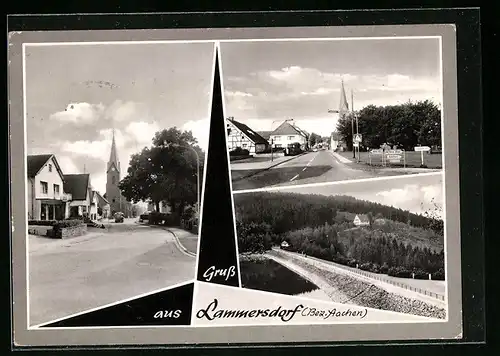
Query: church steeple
113, 157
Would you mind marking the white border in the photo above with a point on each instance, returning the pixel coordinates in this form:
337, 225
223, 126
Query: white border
31, 327
202, 198
226, 138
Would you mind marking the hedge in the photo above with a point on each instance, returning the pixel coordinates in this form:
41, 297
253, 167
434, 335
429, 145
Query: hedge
238, 151
42, 222
67, 223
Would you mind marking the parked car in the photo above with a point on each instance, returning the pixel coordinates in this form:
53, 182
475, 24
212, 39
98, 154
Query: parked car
119, 217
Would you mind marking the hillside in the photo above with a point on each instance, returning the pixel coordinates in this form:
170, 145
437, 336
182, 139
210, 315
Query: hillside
322, 227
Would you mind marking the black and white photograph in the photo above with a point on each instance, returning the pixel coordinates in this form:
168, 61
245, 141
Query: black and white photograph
116, 138
312, 111
378, 244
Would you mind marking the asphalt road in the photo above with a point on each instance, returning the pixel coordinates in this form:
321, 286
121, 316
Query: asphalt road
109, 265
312, 167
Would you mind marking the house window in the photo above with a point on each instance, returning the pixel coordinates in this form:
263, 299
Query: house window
244, 145
56, 189
50, 167
290, 138
114, 200
113, 180
44, 187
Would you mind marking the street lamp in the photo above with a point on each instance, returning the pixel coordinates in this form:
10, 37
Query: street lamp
168, 144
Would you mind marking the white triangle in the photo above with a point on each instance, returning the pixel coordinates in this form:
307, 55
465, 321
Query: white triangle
218, 305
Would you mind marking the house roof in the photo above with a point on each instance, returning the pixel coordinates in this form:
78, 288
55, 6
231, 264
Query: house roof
363, 218
77, 185
37, 162
100, 198
265, 134
287, 128
247, 131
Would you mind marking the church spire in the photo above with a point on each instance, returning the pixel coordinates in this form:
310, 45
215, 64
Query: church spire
113, 157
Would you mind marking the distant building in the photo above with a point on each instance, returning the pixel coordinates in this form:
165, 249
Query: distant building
266, 135
288, 133
46, 189
102, 205
361, 220
241, 136
164, 208
79, 186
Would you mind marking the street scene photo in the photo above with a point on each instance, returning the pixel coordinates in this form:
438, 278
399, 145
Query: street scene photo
117, 135
377, 244
315, 111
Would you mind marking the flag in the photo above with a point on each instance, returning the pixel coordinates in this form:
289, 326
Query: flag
343, 106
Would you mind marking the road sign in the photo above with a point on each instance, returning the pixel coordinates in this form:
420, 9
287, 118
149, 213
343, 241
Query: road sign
358, 138
355, 144
377, 151
394, 157
422, 148
394, 152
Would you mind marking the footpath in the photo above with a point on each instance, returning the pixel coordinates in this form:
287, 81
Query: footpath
243, 170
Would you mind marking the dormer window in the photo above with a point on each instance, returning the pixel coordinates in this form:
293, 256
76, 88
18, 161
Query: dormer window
50, 167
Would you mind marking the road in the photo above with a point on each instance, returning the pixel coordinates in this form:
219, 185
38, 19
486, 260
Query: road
312, 167
106, 266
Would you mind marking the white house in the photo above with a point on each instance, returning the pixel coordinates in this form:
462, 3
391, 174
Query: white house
46, 189
94, 204
78, 185
103, 206
241, 136
287, 133
361, 220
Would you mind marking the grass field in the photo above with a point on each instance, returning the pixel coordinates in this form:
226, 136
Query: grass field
267, 275
413, 159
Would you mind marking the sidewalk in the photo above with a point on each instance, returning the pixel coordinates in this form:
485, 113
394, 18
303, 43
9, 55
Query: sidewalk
41, 243
340, 158
186, 241
248, 169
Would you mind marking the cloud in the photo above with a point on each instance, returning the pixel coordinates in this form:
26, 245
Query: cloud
67, 165
301, 92
200, 130
413, 197
142, 132
79, 113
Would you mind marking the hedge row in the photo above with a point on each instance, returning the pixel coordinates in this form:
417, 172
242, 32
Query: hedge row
238, 151
42, 222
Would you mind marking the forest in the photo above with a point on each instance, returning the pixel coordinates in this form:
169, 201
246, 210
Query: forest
396, 242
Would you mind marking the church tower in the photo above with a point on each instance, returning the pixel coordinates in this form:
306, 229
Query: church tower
113, 194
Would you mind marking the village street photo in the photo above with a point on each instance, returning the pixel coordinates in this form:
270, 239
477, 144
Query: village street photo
117, 135
377, 244
356, 109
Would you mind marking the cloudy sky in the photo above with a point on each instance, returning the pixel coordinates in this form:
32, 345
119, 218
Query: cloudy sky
273, 81
414, 193
76, 94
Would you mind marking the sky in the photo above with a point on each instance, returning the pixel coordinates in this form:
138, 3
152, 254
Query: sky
76, 95
414, 193
268, 82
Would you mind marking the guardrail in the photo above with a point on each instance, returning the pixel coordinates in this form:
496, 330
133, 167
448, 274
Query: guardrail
375, 276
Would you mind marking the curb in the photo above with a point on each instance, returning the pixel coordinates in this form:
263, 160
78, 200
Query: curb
267, 168
180, 245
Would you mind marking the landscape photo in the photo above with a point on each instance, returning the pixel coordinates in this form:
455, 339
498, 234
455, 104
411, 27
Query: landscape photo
356, 109
117, 135
376, 244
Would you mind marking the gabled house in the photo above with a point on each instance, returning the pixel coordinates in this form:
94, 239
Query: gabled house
103, 207
241, 136
46, 189
78, 185
288, 133
94, 204
361, 220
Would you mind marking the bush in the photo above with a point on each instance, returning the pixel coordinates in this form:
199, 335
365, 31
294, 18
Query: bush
384, 268
157, 218
400, 272
253, 237
67, 223
172, 219
420, 274
238, 151
42, 222
439, 275
144, 216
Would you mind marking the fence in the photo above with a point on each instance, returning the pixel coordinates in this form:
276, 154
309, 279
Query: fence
381, 278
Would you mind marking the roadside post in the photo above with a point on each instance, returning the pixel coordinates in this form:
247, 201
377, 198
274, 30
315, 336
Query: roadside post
404, 159
358, 138
272, 149
422, 149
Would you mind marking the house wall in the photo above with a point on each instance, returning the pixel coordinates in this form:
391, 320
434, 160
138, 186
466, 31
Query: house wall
236, 139
284, 140
51, 178
334, 144
30, 201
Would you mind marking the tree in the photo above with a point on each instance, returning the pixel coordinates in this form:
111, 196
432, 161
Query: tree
405, 125
166, 171
314, 139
